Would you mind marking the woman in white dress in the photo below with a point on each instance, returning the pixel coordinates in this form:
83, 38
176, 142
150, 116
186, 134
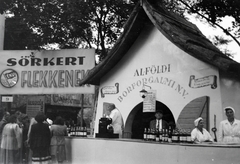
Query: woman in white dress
58, 131
229, 129
200, 134
11, 142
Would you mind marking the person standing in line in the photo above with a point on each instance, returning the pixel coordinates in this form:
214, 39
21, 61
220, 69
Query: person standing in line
24, 119
117, 120
39, 141
58, 131
229, 129
18, 115
200, 134
3, 122
32, 122
158, 123
11, 142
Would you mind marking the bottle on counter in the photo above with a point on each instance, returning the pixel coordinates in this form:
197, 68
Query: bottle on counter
181, 136
69, 130
145, 134
178, 136
149, 134
157, 136
189, 138
73, 130
184, 136
160, 135
166, 135
85, 132
170, 134
163, 135
153, 135
174, 136
80, 131
76, 131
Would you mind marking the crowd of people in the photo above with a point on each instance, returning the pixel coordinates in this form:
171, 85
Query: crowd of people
37, 140
40, 140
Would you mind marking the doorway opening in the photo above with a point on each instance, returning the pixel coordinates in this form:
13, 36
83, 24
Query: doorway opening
137, 121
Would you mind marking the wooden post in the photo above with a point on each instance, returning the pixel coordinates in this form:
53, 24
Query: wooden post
82, 109
2, 29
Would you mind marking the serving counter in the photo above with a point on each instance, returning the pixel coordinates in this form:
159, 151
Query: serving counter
130, 151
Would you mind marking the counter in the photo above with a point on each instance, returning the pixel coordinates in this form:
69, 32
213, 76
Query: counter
130, 151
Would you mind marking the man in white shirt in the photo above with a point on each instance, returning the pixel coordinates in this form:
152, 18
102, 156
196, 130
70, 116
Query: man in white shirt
117, 120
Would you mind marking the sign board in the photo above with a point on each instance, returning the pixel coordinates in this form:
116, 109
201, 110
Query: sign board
45, 72
149, 102
34, 105
7, 98
74, 100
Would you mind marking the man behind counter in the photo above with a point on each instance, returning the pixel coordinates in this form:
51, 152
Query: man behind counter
117, 120
158, 123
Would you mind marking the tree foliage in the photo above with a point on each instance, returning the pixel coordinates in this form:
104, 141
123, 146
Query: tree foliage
214, 11
96, 23
68, 23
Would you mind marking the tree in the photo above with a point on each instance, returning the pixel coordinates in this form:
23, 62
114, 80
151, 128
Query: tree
68, 23
214, 11
18, 36
98, 23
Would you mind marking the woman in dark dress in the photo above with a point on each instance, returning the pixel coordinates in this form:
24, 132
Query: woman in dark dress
39, 141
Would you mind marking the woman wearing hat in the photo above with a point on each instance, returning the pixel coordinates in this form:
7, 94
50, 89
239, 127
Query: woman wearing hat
229, 129
200, 134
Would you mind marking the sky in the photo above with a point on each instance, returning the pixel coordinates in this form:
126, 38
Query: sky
209, 32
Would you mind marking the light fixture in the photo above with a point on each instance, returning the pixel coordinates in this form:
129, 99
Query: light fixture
143, 92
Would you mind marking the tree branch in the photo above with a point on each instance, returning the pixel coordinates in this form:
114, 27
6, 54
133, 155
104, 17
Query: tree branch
224, 30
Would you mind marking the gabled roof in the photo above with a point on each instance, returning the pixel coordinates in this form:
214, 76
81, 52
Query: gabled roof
179, 31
